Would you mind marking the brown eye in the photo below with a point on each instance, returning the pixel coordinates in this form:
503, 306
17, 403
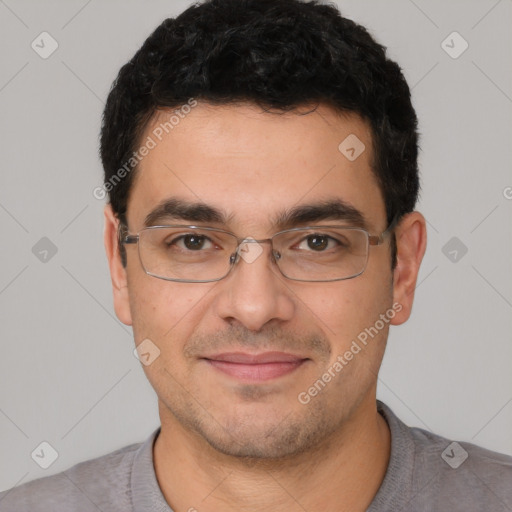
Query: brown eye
318, 242
191, 242
194, 242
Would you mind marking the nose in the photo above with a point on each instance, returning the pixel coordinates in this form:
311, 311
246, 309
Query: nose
254, 293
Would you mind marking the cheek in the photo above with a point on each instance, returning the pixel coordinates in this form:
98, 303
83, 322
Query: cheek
345, 309
163, 309
340, 307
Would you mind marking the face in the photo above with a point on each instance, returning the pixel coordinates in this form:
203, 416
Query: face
255, 364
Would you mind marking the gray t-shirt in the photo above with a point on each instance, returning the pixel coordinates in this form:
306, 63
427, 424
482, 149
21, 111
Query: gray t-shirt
426, 473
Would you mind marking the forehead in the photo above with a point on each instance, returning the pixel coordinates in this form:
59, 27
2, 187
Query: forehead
251, 164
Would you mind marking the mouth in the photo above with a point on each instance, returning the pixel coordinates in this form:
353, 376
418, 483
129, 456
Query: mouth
255, 367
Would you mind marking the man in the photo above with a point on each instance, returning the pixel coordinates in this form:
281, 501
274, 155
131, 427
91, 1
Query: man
260, 160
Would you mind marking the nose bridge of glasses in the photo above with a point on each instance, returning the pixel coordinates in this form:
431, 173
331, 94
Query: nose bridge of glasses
249, 249
251, 240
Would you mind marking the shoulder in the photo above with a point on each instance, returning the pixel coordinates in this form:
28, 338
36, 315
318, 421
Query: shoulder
450, 475
93, 485
464, 467
465, 474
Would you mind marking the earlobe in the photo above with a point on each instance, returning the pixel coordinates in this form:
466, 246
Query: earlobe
117, 271
411, 240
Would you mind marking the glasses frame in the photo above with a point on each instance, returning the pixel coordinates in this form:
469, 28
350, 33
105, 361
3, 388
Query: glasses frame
125, 238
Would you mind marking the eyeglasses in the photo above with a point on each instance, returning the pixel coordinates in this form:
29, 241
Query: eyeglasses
194, 254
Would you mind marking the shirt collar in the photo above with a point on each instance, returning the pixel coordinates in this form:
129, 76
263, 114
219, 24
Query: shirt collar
146, 493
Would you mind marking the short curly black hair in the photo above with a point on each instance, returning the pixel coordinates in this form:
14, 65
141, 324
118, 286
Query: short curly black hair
277, 54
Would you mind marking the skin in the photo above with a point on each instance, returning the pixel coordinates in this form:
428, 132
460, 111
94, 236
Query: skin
225, 445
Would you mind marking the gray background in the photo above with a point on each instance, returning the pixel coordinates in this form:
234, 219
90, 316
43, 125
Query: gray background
68, 374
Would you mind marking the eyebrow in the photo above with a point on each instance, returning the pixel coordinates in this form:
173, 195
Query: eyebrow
174, 209
332, 209
177, 209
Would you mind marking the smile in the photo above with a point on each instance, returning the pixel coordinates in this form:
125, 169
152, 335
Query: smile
255, 367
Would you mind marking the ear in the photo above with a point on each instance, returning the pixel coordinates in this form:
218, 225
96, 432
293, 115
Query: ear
411, 241
117, 271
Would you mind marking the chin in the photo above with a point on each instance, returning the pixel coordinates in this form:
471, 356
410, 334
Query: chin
275, 439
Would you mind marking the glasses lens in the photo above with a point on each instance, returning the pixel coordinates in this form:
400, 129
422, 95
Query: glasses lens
322, 254
186, 254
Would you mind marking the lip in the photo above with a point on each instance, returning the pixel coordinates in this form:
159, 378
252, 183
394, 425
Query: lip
255, 367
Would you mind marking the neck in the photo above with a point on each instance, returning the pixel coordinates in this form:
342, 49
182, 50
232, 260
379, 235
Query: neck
343, 474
